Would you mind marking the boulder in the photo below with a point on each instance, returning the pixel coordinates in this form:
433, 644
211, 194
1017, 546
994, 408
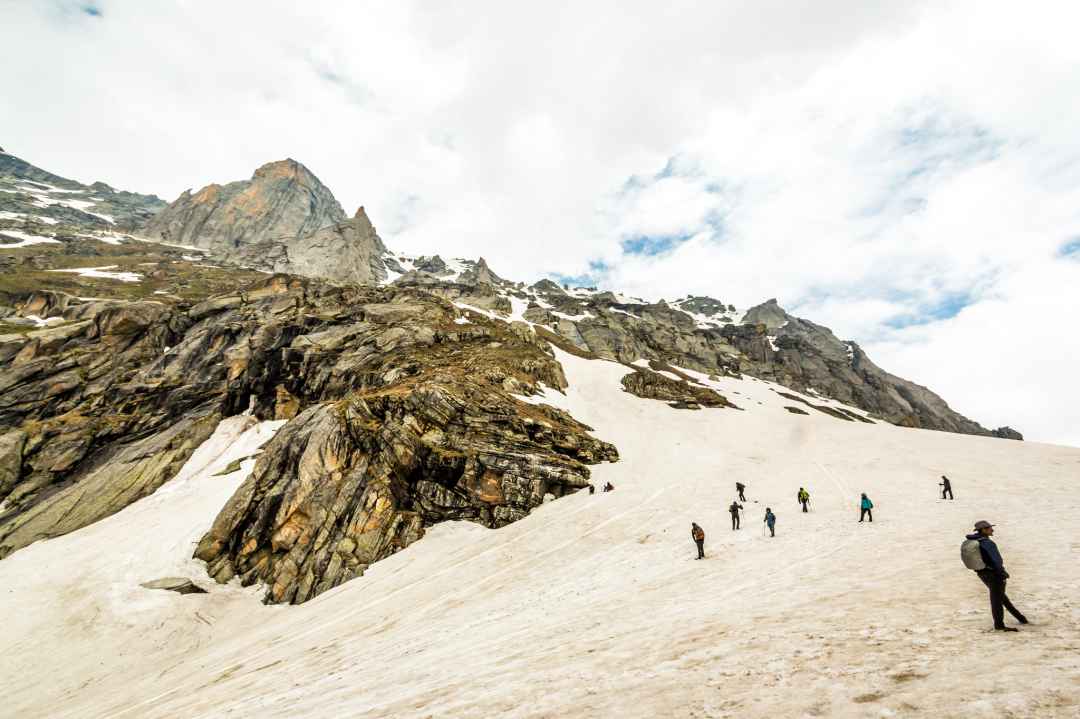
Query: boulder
180, 585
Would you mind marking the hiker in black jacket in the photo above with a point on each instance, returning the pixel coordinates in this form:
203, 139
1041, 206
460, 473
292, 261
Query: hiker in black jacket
734, 509
946, 487
740, 488
994, 576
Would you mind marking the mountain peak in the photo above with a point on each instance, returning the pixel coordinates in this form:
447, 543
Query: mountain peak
768, 313
283, 201
285, 169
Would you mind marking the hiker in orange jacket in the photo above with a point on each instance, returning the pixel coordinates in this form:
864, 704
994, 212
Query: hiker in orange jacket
698, 535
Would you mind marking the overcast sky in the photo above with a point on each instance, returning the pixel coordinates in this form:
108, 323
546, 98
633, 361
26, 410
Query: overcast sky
908, 174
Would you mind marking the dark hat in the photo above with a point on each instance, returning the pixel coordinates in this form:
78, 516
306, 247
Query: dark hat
983, 524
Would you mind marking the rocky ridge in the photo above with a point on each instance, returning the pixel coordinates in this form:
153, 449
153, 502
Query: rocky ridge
398, 376
37, 198
402, 412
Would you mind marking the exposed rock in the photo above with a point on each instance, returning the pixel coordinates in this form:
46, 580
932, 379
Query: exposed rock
348, 251
795, 410
706, 306
104, 208
233, 466
1007, 433
180, 585
769, 344
11, 451
282, 202
107, 482
400, 418
680, 394
769, 313
346, 483
480, 274
831, 411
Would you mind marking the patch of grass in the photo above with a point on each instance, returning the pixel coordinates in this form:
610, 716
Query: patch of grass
7, 328
181, 280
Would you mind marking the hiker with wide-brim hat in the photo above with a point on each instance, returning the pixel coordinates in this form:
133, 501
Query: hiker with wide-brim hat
991, 570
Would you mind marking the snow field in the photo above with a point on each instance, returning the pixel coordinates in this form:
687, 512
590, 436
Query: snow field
77, 598
25, 240
104, 273
593, 605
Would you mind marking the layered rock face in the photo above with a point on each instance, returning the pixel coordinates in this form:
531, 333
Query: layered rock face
283, 201
83, 432
282, 220
401, 414
348, 251
806, 356
704, 334
679, 391
38, 197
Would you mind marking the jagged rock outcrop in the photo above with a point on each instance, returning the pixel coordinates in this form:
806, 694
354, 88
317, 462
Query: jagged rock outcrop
767, 343
808, 357
705, 306
399, 417
475, 286
768, 313
346, 484
283, 201
680, 394
480, 274
347, 251
44, 200
180, 585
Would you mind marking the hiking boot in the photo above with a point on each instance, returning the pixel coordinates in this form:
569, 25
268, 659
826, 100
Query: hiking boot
1023, 620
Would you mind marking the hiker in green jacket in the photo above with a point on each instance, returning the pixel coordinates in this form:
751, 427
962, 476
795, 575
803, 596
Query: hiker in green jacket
865, 506
804, 498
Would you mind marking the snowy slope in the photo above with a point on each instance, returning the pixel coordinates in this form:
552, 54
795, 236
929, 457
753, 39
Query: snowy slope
593, 605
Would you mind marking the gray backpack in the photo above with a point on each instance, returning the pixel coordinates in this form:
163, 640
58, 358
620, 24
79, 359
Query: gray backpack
971, 555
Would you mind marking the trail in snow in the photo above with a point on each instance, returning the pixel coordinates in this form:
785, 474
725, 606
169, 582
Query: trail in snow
593, 605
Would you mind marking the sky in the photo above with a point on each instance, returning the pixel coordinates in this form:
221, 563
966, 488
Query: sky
907, 174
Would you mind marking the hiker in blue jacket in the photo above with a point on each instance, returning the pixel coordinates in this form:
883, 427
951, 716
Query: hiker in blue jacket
994, 576
770, 520
865, 506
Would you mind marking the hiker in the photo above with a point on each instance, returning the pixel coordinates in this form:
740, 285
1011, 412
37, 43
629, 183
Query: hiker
946, 487
699, 539
608, 487
592, 489
804, 498
770, 520
740, 487
992, 574
865, 506
734, 509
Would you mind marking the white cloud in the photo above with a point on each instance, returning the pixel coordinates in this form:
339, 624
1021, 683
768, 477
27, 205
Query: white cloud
869, 164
